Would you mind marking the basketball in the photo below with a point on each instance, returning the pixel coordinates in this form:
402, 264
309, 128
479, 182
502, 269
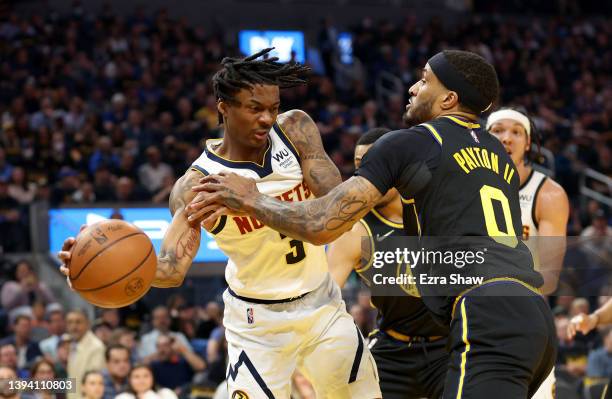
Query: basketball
113, 264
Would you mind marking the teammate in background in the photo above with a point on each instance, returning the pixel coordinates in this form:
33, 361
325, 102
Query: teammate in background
544, 203
282, 309
464, 187
409, 346
544, 208
586, 323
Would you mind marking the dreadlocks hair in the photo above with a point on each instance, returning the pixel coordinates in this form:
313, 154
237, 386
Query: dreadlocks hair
243, 73
372, 135
477, 71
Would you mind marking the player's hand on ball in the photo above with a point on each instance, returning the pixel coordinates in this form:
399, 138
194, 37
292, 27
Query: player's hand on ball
222, 194
65, 254
581, 323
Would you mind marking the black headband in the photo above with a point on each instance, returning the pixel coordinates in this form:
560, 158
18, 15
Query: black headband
455, 81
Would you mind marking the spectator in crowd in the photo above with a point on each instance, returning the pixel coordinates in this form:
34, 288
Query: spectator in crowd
8, 373
92, 385
24, 288
27, 349
142, 385
571, 358
126, 338
6, 169
66, 187
43, 370
211, 318
216, 356
117, 370
12, 238
600, 360
40, 327
8, 358
56, 324
20, 189
161, 325
86, 352
103, 155
175, 365
111, 317
62, 355
102, 330
154, 171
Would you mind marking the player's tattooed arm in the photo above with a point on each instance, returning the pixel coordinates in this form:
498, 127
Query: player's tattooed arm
320, 173
182, 240
318, 221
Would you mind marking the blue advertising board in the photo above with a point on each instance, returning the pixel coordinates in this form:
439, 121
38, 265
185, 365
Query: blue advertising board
284, 42
65, 222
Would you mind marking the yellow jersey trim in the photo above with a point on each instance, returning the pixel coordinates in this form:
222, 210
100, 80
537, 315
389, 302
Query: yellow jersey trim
416, 216
493, 280
198, 169
215, 225
386, 221
288, 138
370, 236
262, 165
458, 121
466, 342
433, 131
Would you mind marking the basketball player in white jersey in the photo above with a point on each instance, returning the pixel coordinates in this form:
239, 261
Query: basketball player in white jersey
544, 207
282, 309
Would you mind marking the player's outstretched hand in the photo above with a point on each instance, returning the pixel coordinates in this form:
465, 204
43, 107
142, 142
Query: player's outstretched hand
65, 254
583, 323
222, 194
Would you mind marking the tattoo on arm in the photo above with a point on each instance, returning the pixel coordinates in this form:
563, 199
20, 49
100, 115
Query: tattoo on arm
321, 220
320, 172
187, 244
181, 193
167, 259
181, 242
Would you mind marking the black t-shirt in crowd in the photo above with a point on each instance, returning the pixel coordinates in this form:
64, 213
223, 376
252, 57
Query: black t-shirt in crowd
464, 189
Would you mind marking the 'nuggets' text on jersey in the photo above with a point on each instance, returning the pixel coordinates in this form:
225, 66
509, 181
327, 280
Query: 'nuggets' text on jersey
263, 263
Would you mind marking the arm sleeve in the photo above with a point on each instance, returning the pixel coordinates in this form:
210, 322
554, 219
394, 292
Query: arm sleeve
404, 159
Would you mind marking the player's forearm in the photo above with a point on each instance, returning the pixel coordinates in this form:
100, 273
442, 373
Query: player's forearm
176, 256
195, 361
323, 175
604, 313
318, 221
552, 252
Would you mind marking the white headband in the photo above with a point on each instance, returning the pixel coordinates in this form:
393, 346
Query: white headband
509, 114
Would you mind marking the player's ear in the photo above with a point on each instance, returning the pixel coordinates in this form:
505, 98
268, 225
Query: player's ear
222, 107
528, 144
449, 100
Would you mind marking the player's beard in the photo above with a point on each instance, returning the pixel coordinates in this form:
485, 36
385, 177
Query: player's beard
418, 113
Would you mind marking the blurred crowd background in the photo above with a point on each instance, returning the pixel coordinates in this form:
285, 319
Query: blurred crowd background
101, 107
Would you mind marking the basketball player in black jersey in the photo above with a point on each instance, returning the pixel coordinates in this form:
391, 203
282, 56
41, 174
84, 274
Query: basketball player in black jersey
408, 346
464, 186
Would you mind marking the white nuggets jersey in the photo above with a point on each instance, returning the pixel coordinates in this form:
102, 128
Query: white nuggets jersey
263, 263
527, 196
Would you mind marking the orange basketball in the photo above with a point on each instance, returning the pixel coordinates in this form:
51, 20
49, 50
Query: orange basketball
113, 264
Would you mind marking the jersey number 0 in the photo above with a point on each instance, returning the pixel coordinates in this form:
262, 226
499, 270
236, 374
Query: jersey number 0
487, 195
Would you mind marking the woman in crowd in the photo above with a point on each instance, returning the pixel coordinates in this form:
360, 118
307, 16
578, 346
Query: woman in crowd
92, 385
141, 385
